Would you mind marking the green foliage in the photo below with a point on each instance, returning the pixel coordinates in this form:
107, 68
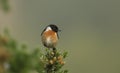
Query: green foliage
54, 61
4, 5
20, 59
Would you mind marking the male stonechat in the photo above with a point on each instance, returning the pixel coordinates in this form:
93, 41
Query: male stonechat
50, 36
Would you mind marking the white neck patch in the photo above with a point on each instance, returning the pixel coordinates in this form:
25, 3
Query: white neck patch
48, 28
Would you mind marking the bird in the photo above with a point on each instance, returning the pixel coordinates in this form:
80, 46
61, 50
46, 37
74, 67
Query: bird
49, 36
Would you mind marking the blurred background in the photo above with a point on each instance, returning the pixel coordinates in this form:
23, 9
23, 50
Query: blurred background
90, 30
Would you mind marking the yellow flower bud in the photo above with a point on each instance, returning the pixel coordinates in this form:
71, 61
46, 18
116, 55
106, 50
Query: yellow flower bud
54, 58
60, 57
62, 62
51, 62
52, 53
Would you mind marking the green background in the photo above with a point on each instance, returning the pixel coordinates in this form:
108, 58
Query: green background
90, 30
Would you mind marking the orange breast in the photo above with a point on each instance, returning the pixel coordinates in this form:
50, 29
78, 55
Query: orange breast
52, 36
49, 33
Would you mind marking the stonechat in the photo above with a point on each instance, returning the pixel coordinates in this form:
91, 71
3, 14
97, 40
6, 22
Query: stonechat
49, 36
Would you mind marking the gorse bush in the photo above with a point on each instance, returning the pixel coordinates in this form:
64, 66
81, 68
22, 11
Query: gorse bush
54, 61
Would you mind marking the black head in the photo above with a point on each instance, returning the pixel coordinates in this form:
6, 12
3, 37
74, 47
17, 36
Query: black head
53, 27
